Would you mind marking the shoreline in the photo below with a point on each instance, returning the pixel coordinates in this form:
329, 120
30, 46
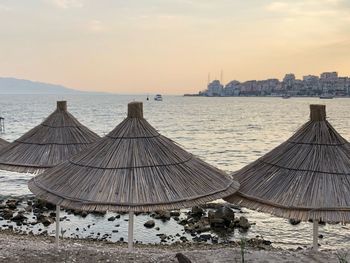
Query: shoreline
209, 224
30, 249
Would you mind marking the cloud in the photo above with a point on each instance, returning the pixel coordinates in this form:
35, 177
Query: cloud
307, 8
4, 8
67, 3
96, 26
277, 6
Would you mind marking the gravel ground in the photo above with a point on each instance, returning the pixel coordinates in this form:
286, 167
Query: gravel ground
28, 248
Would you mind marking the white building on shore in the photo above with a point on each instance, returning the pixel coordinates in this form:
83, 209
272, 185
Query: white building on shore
215, 89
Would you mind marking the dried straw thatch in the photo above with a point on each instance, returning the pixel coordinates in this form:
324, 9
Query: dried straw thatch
55, 140
133, 168
306, 177
3, 143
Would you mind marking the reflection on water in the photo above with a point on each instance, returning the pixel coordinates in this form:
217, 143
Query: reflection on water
226, 132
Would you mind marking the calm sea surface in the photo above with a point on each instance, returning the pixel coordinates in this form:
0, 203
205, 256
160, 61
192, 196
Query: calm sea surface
226, 132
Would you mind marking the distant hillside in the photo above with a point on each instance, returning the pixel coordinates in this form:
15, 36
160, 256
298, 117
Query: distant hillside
22, 86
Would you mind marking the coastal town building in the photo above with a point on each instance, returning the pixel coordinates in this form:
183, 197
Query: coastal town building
215, 89
309, 85
288, 81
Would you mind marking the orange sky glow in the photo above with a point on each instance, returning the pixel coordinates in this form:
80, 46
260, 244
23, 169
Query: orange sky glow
170, 46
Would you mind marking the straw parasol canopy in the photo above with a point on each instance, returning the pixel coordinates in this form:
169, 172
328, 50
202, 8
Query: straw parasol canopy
3, 143
306, 177
133, 168
56, 139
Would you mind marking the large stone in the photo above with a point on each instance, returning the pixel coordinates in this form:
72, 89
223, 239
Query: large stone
29, 208
205, 237
11, 204
19, 218
149, 224
83, 214
181, 258
294, 222
225, 213
43, 205
198, 227
197, 211
202, 225
175, 213
183, 222
162, 237
7, 213
216, 221
183, 239
223, 216
45, 220
243, 223
163, 215
79, 213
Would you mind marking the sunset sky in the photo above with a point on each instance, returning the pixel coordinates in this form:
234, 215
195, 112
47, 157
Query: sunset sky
170, 46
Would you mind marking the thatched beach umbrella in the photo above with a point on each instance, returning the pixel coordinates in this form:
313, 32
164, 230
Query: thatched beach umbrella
135, 169
55, 140
306, 178
3, 143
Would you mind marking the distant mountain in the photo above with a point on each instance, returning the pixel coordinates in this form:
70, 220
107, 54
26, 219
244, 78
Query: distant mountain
22, 86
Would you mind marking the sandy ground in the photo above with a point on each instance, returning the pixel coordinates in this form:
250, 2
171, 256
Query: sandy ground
24, 248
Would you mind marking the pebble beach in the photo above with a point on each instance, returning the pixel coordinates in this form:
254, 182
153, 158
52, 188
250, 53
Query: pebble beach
32, 249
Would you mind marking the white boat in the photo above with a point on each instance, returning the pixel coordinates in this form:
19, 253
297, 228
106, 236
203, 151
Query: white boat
326, 96
158, 97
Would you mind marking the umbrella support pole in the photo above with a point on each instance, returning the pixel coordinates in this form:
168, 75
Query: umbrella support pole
315, 235
131, 231
57, 237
